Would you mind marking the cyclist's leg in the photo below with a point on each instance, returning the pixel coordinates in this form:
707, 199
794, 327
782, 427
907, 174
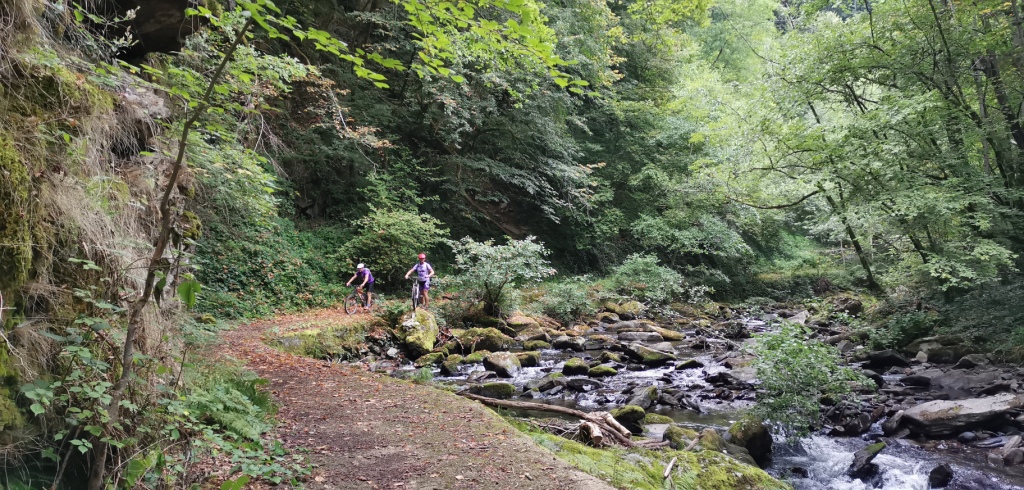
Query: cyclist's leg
425, 287
369, 296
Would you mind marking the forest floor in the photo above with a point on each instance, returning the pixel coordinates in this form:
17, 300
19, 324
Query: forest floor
364, 430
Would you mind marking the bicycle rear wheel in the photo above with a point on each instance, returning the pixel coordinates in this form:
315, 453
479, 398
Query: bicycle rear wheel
351, 304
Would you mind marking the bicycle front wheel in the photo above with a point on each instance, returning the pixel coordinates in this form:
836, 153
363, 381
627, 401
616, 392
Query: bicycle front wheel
415, 295
351, 304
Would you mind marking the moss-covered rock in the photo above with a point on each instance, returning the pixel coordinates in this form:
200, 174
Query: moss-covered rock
551, 380
643, 469
431, 359
497, 389
489, 339
575, 367
536, 345
329, 341
504, 364
529, 358
476, 357
657, 418
629, 414
15, 224
601, 372
648, 356
450, 366
754, 436
666, 333
711, 440
607, 356
629, 310
519, 322
689, 364
644, 397
607, 317
679, 437
418, 331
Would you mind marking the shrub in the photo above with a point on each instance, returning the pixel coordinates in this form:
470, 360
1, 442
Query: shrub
903, 329
642, 278
795, 371
488, 272
567, 300
388, 240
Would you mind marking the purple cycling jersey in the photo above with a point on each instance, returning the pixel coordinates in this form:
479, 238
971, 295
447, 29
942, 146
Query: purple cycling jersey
423, 271
360, 275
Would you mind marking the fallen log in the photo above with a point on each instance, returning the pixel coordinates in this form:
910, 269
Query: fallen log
591, 432
596, 418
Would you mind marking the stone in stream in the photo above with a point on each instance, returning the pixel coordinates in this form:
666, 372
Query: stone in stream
873, 376
892, 424
646, 355
629, 310
601, 372
430, 359
941, 418
940, 476
450, 366
504, 364
583, 385
689, 364
688, 402
630, 416
607, 356
862, 468
971, 361
967, 437
536, 345
418, 331
644, 397
754, 436
549, 381
886, 358
498, 389
640, 337
478, 376
607, 317
575, 367
476, 357
490, 339
569, 343
1013, 457
528, 358
916, 380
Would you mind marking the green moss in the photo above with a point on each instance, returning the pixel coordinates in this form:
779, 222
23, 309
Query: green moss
325, 341
536, 345
529, 359
431, 359
657, 418
575, 366
15, 227
418, 331
628, 414
678, 437
643, 469
476, 357
607, 356
497, 389
451, 364
485, 339
711, 440
10, 416
601, 371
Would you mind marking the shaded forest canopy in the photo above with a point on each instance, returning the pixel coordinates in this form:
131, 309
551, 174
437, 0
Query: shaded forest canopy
732, 150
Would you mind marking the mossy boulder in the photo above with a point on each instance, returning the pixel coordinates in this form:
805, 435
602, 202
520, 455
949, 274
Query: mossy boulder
754, 436
607, 317
476, 357
497, 389
711, 440
575, 367
629, 310
519, 322
601, 372
550, 381
536, 345
666, 333
504, 364
678, 437
644, 397
489, 339
689, 364
629, 414
646, 355
450, 366
657, 418
431, 359
607, 356
418, 331
643, 469
529, 358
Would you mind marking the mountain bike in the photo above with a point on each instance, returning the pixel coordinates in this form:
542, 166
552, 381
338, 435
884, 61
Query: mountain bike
355, 301
416, 293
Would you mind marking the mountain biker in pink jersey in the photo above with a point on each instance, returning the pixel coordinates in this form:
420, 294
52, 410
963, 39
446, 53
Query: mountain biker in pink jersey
423, 272
365, 279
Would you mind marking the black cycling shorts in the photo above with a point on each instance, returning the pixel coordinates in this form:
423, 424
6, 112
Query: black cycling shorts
368, 287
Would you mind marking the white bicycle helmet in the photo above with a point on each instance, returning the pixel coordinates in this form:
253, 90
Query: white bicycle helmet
361, 266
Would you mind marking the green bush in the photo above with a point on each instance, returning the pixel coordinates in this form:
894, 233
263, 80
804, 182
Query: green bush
903, 329
389, 240
233, 401
795, 371
567, 300
490, 273
642, 278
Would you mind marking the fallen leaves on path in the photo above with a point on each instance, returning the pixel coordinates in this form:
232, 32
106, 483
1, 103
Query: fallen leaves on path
364, 430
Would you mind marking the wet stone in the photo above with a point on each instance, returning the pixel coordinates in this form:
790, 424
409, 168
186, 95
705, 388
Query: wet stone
689, 364
583, 385
940, 476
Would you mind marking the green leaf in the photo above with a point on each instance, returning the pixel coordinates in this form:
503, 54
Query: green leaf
188, 292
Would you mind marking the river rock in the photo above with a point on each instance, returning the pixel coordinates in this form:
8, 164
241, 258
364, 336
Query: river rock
519, 322
892, 424
504, 364
873, 376
1013, 457
418, 331
862, 468
575, 367
478, 376
489, 339
528, 358
885, 358
450, 366
583, 385
942, 418
536, 345
569, 343
607, 356
431, 359
946, 354
629, 310
551, 380
607, 317
678, 437
644, 397
640, 337
971, 361
498, 389
850, 305
967, 437
689, 364
711, 440
940, 476
689, 402
534, 334
754, 436
973, 482
647, 355
961, 380
916, 380
666, 333
601, 372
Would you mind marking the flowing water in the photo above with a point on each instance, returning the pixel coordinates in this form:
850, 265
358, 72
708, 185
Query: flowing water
825, 460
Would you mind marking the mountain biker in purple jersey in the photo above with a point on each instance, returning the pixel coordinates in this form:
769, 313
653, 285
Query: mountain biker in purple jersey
365, 278
423, 272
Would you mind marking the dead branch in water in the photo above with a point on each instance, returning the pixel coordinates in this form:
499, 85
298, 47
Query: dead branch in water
615, 432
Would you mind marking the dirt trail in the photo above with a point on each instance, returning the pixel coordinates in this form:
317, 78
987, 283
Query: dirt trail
369, 431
